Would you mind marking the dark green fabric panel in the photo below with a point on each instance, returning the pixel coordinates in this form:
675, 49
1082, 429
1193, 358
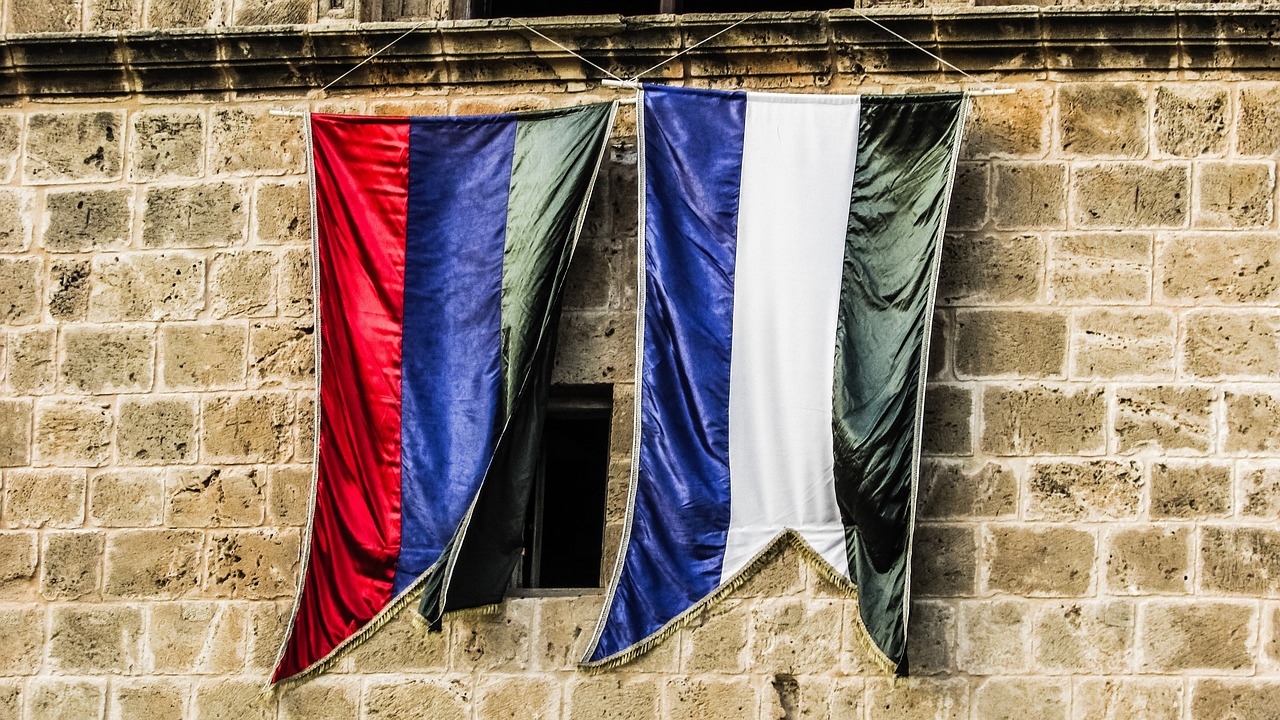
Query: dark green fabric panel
904, 169
556, 156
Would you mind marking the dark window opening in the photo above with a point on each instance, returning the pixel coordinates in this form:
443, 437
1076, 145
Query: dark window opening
543, 8
564, 525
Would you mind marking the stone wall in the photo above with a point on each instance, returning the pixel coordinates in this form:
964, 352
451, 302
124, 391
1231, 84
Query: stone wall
1098, 517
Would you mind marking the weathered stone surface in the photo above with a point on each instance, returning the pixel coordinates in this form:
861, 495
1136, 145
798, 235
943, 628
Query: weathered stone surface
243, 284
1258, 126
55, 699
28, 16
1168, 418
969, 197
1219, 269
1089, 490
1123, 343
146, 286
74, 146
1010, 343
943, 560
20, 287
1029, 195
295, 283
993, 637
1189, 489
151, 698
1223, 699
709, 698
282, 214
1102, 120
15, 432
1090, 638
1240, 560
44, 498
17, 565
272, 12
247, 428
204, 356
10, 145
86, 220
1019, 698
107, 360
126, 498
216, 497
156, 431
1260, 491
72, 433
986, 269
717, 640
1206, 635
167, 143
159, 564
288, 492
113, 14
253, 141
194, 216
1239, 344
1191, 121
282, 353
1251, 422
304, 447
15, 217
181, 13
1113, 699
1233, 195
941, 699
795, 636
595, 348
1103, 268
252, 564
32, 361
966, 489
948, 415
1130, 196
1151, 559
21, 640
234, 699
612, 697
1043, 420
449, 699
495, 643
1038, 561
195, 638
323, 699
1012, 126
68, 295
11, 696
69, 565
95, 639
267, 624
402, 646
931, 635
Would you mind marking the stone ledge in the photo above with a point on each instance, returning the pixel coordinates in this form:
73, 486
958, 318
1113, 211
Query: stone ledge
1028, 41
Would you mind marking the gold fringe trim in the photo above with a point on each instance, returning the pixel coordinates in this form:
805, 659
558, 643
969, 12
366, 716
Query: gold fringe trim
787, 538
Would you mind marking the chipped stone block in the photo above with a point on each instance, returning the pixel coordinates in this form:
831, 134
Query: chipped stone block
1029, 195
1231, 699
1020, 698
1233, 195
15, 432
216, 497
288, 493
156, 431
402, 647
1190, 489
969, 205
1093, 638
21, 279
181, 13
282, 213
1165, 417
1038, 561
1010, 125
168, 143
107, 360
44, 498
238, 698
146, 287
1224, 344
95, 639
1150, 559
243, 284
943, 560
53, 699
1129, 196
194, 216
1191, 121
295, 283
252, 564
1105, 268
1258, 124
17, 565
73, 146
1260, 491
15, 217
615, 697
1041, 420
157, 564
1251, 422
69, 565
1116, 343
126, 498
494, 643
966, 489
282, 353
1218, 269
595, 348
21, 640
247, 428
207, 356
709, 698
948, 413
1240, 560
68, 296
1115, 698
31, 361
1102, 120
255, 142
150, 698
985, 269
272, 12
113, 14
1010, 343
1206, 635
794, 636
73, 434
1088, 490
334, 698
195, 638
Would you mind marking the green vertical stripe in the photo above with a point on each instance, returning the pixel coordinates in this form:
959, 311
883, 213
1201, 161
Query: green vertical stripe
905, 163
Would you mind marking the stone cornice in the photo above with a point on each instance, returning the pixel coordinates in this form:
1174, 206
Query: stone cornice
997, 43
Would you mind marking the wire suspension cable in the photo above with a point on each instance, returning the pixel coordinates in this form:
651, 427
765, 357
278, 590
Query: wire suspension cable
988, 88
381, 50
535, 31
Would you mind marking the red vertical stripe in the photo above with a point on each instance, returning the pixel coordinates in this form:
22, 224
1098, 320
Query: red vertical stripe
362, 181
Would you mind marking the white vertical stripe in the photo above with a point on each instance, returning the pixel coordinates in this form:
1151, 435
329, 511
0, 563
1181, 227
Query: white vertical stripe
797, 176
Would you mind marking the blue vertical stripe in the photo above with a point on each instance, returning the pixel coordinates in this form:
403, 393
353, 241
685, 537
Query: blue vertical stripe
693, 167
459, 177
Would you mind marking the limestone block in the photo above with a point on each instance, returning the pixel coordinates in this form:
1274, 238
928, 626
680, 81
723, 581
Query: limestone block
948, 415
267, 623
707, 698
1260, 491
1117, 343
1233, 195
1010, 343
931, 635
146, 286
15, 216
1020, 698
518, 699
288, 493
494, 643
126, 498
150, 698
73, 434
73, 146
448, 698
401, 646
32, 361
1258, 123
282, 353
1104, 268
235, 699
1084, 490
167, 143
1102, 120
943, 560
1039, 420
282, 214
1030, 195
717, 640
156, 431
10, 143
113, 14
1206, 635
1149, 559
1271, 644
794, 635
596, 267
1090, 638
272, 12
1130, 195
966, 489
1240, 560
20, 283
69, 565
44, 498
95, 639
409, 107
1038, 561
252, 141
86, 220
195, 638
969, 206
55, 699
330, 699
216, 497
107, 360
1231, 699
69, 290
252, 564
1191, 121
782, 575
612, 697
17, 565
1218, 269
206, 356
1173, 419
936, 699
1190, 489
15, 432
1010, 125
247, 428
184, 14
160, 564
993, 637
1251, 422
1115, 698
595, 348
21, 640
305, 407
11, 698
986, 269
295, 283
243, 284
194, 216
563, 629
